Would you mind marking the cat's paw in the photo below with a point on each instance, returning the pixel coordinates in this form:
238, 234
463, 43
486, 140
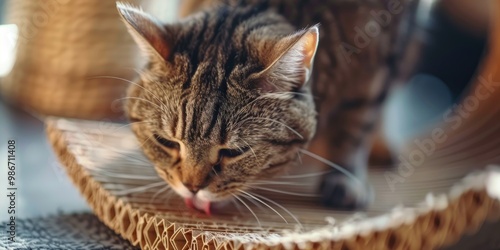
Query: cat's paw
341, 192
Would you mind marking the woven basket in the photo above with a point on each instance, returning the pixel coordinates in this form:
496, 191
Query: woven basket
64, 48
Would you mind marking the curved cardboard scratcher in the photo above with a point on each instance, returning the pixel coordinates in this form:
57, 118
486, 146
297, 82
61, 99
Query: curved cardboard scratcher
126, 194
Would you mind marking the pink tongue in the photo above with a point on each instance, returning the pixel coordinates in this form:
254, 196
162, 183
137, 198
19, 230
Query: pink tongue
198, 205
189, 203
206, 208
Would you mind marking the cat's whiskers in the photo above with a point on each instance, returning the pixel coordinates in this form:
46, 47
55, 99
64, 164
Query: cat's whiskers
239, 148
132, 123
141, 73
302, 175
282, 192
238, 207
138, 189
251, 149
285, 95
215, 171
170, 193
136, 70
289, 93
279, 95
243, 109
145, 141
272, 120
299, 157
280, 183
248, 207
139, 99
280, 206
250, 196
128, 81
252, 201
107, 173
161, 190
331, 164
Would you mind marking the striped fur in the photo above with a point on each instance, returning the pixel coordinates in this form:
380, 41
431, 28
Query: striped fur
234, 79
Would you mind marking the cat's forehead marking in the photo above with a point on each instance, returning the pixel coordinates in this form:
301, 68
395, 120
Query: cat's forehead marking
202, 106
179, 124
202, 154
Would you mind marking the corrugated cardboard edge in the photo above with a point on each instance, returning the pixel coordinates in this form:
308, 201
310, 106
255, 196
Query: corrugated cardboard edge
437, 224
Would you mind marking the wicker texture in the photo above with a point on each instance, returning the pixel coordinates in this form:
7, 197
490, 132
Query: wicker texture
63, 45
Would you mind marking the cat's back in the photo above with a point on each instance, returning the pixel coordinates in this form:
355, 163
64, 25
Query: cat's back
351, 30
356, 36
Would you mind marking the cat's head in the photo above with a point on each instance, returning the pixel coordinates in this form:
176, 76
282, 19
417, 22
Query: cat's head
224, 100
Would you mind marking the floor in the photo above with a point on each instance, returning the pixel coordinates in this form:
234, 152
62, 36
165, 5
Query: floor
42, 186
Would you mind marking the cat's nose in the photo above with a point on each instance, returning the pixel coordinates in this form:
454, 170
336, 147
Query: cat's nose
193, 188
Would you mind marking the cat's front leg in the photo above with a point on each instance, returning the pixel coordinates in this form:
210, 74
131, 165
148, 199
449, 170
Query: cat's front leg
348, 148
344, 137
348, 189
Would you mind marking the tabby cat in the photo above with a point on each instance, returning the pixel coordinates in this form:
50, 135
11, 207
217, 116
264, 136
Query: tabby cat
233, 92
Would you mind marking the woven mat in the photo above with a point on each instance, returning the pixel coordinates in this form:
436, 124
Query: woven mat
124, 191
65, 232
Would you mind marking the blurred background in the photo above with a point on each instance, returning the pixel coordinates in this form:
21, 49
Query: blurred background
66, 58
41, 67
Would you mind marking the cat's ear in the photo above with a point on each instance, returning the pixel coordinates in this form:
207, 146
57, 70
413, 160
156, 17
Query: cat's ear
290, 62
151, 36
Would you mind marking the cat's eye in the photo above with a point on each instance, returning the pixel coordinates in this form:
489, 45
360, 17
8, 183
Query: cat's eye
167, 143
231, 153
